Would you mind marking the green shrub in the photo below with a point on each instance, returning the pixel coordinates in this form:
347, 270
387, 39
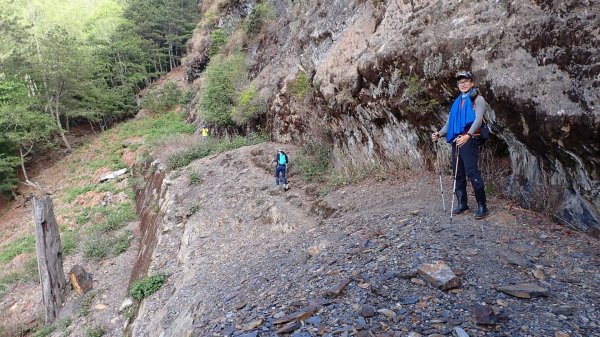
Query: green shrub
99, 247
44, 331
415, 94
68, 239
212, 145
116, 217
217, 41
248, 106
96, 331
222, 79
73, 192
29, 273
163, 98
195, 178
146, 286
25, 244
194, 209
313, 162
300, 86
86, 303
261, 13
121, 242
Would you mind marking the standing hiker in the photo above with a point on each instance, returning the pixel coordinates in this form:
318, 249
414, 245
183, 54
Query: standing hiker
462, 131
204, 133
281, 161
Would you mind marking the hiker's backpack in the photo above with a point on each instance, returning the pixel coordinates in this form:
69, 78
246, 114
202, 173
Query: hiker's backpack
484, 129
282, 158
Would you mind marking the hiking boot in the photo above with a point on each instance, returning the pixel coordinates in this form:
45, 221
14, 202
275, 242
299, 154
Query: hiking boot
285, 187
481, 211
462, 206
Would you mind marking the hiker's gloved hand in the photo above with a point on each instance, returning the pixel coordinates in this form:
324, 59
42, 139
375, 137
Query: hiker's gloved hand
435, 136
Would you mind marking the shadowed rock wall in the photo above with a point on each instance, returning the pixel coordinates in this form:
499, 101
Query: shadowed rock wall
382, 73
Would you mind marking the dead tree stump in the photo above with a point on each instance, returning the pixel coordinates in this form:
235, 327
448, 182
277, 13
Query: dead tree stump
49, 257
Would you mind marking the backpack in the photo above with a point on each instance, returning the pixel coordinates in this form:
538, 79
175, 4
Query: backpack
282, 158
484, 129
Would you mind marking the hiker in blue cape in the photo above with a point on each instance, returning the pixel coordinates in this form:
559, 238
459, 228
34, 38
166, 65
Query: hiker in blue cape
462, 131
281, 161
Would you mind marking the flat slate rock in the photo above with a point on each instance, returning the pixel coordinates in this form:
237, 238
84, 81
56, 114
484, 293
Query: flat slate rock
524, 290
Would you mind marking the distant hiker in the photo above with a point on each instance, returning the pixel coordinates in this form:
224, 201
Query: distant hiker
462, 130
204, 133
281, 162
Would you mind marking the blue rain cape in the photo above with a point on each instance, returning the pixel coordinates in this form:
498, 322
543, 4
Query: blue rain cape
461, 116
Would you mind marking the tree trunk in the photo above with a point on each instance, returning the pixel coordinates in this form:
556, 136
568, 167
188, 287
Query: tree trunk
60, 128
23, 164
49, 257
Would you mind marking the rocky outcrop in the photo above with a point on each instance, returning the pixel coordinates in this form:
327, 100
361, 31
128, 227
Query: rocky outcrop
382, 78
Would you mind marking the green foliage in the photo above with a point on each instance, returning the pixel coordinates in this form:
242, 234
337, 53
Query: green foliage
223, 78
194, 209
201, 150
415, 94
101, 246
217, 41
261, 13
44, 331
146, 286
313, 162
195, 178
115, 217
248, 106
95, 331
25, 244
86, 303
68, 239
71, 193
28, 274
300, 86
153, 129
163, 98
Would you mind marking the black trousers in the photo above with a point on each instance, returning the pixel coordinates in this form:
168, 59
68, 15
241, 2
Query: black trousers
467, 168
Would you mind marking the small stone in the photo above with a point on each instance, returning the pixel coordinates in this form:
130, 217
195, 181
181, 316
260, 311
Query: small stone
418, 281
414, 334
565, 310
460, 332
313, 251
289, 327
100, 306
252, 325
516, 259
538, 273
439, 275
561, 334
126, 304
409, 300
366, 311
387, 313
524, 290
337, 290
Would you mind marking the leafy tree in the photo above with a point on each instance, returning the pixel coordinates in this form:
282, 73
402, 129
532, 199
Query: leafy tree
222, 80
22, 128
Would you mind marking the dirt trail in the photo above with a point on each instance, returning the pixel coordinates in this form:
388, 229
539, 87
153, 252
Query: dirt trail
250, 256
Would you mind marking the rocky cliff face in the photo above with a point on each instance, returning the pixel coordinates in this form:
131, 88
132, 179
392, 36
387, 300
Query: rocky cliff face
382, 78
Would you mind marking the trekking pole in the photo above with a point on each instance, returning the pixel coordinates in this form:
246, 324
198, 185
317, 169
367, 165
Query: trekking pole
439, 168
454, 188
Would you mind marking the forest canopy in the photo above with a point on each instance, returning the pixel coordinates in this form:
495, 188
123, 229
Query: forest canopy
67, 62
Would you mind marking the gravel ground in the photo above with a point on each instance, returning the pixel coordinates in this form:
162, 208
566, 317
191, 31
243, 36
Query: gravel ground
246, 260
